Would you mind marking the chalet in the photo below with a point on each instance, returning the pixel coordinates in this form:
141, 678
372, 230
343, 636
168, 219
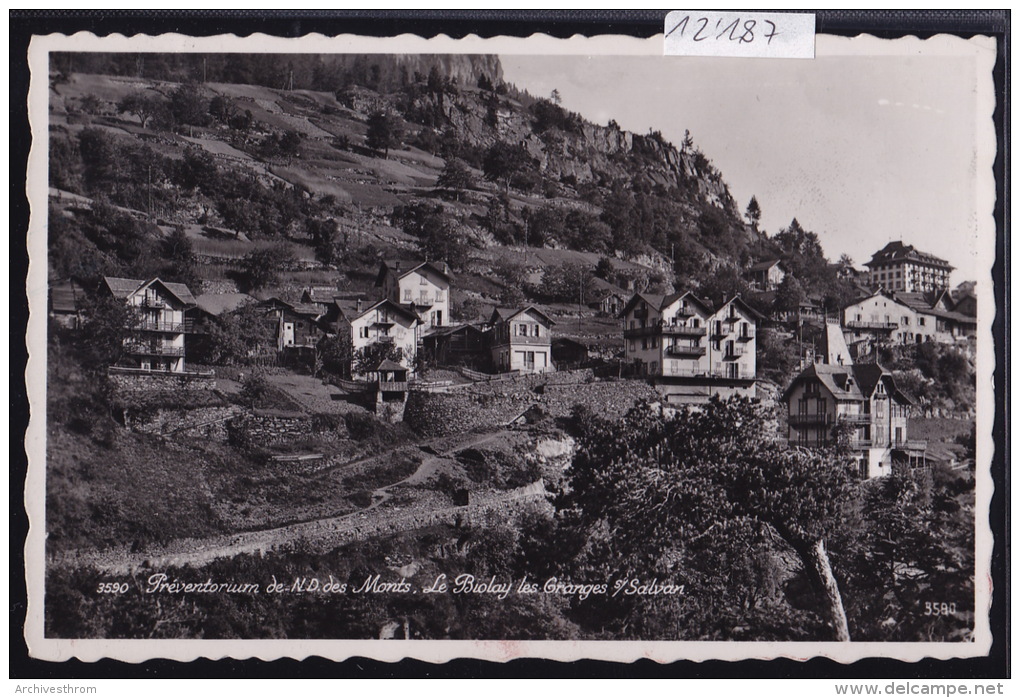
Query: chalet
294, 324
379, 322
322, 296
883, 318
457, 345
860, 402
608, 303
766, 276
424, 287
521, 340
156, 339
900, 267
690, 349
938, 317
908, 318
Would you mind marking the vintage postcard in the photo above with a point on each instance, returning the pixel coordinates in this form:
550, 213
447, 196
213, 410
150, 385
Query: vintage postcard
502, 348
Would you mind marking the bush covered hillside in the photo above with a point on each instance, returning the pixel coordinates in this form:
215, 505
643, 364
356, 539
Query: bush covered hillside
329, 156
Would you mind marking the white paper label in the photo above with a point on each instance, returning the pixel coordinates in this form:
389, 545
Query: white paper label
740, 34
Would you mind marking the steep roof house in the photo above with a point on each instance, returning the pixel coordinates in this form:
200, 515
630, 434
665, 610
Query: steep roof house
864, 400
424, 287
156, 340
690, 349
368, 323
521, 340
766, 275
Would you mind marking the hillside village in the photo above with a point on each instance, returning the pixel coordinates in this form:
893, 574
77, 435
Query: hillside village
378, 298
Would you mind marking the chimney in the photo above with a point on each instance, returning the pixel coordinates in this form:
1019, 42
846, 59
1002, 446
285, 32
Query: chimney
359, 305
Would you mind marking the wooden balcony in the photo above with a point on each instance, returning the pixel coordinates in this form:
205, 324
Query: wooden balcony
392, 386
154, 350
909, 444
659, 329
862, 325
518, 340
681, 350
810, 419
175, 327
683, 331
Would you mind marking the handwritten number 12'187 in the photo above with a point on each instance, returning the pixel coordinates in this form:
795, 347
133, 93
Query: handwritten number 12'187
737, 32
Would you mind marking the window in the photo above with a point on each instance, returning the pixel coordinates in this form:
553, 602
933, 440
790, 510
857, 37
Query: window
407, 295
424, 281
633, 345
920, 321
655, 342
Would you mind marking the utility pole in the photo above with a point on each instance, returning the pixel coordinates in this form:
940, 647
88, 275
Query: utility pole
149, 188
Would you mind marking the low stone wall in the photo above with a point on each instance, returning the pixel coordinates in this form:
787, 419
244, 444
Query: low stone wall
129, 382
486, 406
182, 423
268, 427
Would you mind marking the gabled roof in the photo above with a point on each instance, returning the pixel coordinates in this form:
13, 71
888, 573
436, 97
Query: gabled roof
447, 330
652, 299
124, 288
220, 303
764, 266
927, 303
852, 382
743, 304
879, 292
687, 295
349, 309
402, 268
507, 314
388, 365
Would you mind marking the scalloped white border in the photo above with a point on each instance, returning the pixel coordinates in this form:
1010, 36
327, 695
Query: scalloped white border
981, 48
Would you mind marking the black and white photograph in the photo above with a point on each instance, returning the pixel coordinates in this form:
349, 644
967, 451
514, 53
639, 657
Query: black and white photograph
560, 348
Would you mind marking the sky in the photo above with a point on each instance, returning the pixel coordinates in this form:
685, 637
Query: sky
862, 150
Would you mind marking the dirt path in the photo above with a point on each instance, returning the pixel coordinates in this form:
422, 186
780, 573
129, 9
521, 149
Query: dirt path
323, 533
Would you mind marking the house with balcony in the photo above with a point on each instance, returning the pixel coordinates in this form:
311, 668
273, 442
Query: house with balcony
380, 322
689, 349
883, 318
940, 318
424, 287
766, 275
155, 340
521, 340
859, 403
294, 325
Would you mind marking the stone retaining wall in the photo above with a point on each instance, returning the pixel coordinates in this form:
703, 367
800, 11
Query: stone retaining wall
486, 406
160, 382
207, 422
268, 428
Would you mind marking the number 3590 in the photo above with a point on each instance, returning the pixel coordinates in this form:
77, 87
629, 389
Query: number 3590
112, 588
939, 609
